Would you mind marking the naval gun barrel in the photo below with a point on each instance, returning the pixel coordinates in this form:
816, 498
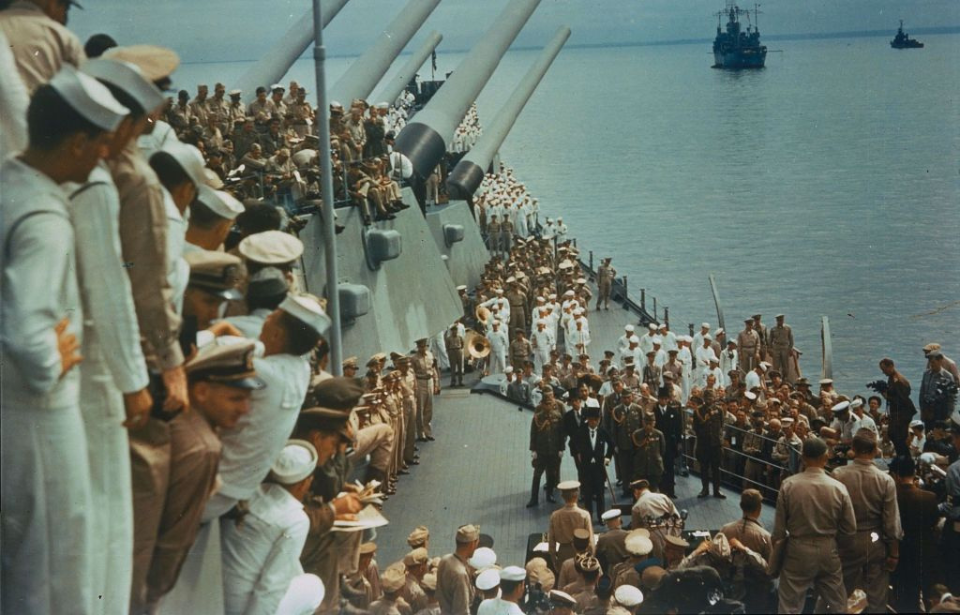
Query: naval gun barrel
468, 174
275, 63
424, 139
391, 90
367, 70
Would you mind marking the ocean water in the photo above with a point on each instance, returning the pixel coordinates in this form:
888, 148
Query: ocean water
827, 184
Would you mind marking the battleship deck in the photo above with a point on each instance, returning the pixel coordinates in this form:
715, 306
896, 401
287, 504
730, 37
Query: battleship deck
478, 471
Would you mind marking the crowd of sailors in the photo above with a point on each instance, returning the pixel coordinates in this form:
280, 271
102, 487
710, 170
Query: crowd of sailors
166, 393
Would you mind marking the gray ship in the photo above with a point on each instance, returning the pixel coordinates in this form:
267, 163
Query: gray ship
735, 48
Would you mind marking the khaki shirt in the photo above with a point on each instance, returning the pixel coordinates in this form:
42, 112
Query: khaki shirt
454, 586
39, 44
752, 534
813, 505
562, 524
143, 238
874, 496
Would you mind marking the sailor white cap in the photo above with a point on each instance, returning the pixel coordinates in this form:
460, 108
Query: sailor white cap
488, 579
235, 92
916, 423
483, 557
569, 485
613, 513
708, 337
297, 461
705, 325
856, 403
750, 395
305, 308
652, 326
628, 595
128, 78
657, 340
638, 543
277, 86
825, 381
720, 330
88, 97
508, 369
187, 158
765, 365
383, 105
271, 248
629, 328
591, 403
462, 287
221, 203
841, 407
513, 573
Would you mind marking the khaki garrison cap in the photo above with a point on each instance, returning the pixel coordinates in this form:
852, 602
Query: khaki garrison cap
271, 248
231, 365
89, 98
154, 62
392, 579
418, 536
351, 362
468, 533
429, 582
416, 557
214, 272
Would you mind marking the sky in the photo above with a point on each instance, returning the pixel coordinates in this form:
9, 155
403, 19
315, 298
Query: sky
225, 30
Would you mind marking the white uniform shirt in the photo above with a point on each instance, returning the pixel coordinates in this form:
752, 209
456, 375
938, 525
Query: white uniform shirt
107, 298
498, 606
250, 325
254, 444
729, 360
646, 344
178, 271
262, 556
752, 379
864, 422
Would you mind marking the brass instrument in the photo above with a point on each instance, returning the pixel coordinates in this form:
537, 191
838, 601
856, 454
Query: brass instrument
478, 347
483, 316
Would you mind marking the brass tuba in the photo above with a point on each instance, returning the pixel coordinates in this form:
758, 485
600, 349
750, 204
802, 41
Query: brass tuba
483, 316
478, 347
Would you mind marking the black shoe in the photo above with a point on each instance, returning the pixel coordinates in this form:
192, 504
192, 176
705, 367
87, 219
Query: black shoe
532, 503
421, 439
719, 495
703, 494
366, 220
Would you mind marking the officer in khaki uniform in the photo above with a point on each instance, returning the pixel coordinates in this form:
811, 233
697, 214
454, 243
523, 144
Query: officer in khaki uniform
813, 511
546, 445
454, 343
564, 521
520, 350
427, 378
867, 563
781, 346
625, 418
605, 277
178, 494
650, 447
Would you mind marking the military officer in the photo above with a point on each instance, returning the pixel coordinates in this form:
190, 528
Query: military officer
454, 583
563, 523
651, 371
493, 235
650, 447
454, 343
814, 510
900, 407
781, 346
428, 378
763, 334
520, 349
625, 419
518, 304
708, 425
748, 343
547, 441
867, 562
749, 531
606, 274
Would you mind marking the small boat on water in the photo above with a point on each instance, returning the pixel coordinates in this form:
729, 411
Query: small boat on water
903, 41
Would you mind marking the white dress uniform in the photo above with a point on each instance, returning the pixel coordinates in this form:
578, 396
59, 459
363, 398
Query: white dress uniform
46, 559
178, 271
543, 342
439, 349
250, 325
729, 360
703, 356
256, 441
716, 372
623, 342
113, 364
261, 557
686, 360
669, 341
752, 380
499, 345
646, 344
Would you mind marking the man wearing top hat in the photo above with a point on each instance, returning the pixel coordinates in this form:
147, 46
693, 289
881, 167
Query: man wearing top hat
44, 449
595, 448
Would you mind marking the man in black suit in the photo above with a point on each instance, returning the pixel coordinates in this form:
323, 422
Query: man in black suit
572, 420
670, 422
595, 449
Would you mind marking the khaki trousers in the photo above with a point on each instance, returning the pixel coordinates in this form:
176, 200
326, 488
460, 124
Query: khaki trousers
424, 407
812, 562
864, 567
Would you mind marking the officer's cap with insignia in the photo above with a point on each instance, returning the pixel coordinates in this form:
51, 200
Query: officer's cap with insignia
230, 365
513, 573
271, 248
307, 310
638, 544
216, 273
628, 596
89, 98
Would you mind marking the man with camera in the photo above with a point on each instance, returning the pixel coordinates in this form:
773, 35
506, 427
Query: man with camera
938, 391
900, 407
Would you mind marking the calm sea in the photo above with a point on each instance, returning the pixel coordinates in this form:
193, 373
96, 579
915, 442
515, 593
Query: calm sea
825, 185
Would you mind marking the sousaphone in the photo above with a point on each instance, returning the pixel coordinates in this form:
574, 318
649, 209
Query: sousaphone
478, 347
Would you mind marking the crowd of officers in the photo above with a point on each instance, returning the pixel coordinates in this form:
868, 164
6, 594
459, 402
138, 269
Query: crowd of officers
164, 375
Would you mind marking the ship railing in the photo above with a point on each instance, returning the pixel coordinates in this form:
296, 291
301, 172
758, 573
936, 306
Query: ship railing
620, 293
733, 464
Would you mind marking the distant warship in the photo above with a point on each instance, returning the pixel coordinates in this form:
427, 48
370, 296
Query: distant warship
736, 48
903, 41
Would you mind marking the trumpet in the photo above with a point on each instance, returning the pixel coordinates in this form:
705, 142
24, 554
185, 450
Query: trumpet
478, 347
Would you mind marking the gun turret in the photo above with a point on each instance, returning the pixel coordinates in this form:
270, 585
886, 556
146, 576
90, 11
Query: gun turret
468, 174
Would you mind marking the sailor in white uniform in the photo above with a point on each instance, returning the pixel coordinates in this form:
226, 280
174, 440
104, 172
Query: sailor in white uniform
543, 343
261, 551
632, 351
623, 342
686, 360
499, 345
697, 340
703, 355
729, 361
646, 340
669, 338
46, 492
266, 289
113, 375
